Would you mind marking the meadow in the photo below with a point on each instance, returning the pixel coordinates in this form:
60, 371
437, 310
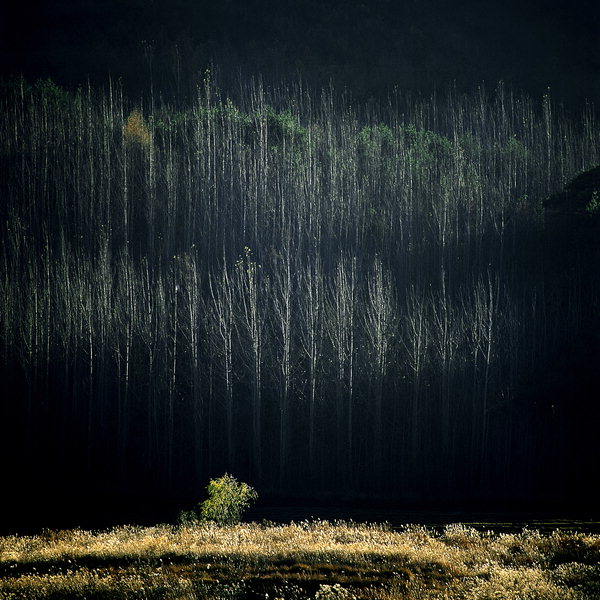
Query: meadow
310, 559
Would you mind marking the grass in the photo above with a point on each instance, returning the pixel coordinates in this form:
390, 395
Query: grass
319, 560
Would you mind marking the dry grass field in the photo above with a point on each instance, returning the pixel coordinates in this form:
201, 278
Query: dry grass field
301, 561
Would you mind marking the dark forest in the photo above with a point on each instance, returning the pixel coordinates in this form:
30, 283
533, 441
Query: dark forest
329, 260
319, 296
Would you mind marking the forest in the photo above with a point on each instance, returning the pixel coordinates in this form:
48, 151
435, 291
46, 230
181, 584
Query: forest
323, 296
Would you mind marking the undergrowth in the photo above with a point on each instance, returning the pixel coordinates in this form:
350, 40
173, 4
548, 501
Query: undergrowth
308, 560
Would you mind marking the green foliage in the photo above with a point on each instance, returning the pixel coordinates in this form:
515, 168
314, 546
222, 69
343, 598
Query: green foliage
170, 120
281, 128
593, 206
227, 500
426, 148
425, 140
581, 196
376, 148
515, 148
284, 125
52, 94
187, 518
377, 135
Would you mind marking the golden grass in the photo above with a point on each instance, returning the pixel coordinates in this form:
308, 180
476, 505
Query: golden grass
305, 560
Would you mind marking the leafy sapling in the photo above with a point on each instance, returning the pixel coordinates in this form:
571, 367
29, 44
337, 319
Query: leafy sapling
227, 500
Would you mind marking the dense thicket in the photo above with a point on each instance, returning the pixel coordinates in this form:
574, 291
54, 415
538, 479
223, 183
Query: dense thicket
313, 295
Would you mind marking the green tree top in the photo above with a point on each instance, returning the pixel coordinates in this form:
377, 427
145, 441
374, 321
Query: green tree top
227, 500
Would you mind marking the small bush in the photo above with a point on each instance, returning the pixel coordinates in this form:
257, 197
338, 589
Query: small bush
187, 518
227, 500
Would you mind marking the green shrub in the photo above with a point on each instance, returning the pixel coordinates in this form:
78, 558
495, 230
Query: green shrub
227, 500
187, 518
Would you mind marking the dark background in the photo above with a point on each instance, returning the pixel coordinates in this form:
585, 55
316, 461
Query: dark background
368, 47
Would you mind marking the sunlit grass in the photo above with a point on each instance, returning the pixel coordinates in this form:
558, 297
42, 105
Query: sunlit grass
302, 560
